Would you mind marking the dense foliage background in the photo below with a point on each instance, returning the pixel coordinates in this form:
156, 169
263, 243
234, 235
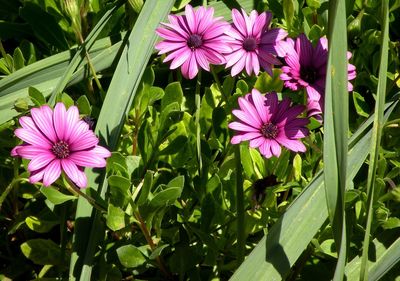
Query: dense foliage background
164, 211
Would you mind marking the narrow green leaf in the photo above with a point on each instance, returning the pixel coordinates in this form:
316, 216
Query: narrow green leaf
376, 136
126, 79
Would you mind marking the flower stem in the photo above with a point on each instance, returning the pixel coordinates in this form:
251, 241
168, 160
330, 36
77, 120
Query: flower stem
71, 187
197, 118
241, 239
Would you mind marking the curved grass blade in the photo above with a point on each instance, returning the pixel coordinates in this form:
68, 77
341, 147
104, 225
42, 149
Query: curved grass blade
82, 51
276, 253
126, 79
336, 128
376, 135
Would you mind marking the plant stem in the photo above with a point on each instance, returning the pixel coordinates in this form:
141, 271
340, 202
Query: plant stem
9, 188
197, 118
147, 236
240, 207
71, 187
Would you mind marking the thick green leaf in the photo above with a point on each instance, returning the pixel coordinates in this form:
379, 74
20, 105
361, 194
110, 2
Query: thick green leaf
130, 256
43, 252
55, 196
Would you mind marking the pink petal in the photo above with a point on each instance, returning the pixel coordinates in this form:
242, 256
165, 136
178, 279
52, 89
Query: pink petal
191, 19
40, 161
179, 56
59, 119
239, 22
36, 176
78, 131
251, 111
172, 35
84, 141
233, 58
242, 127
293, 145
259, 103
74, 173
275, 148
257, 142
238, 67
33, 138
101, 151
27, 123
71, 120
265, 148
52, 172
259, 24
304, 49
202, 59
31, 151
43, 118
168, 46
87, 159
256, 63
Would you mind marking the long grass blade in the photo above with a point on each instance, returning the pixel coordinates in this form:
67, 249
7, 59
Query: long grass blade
82, 50
336, 129
376, 135
126, 79
276, 253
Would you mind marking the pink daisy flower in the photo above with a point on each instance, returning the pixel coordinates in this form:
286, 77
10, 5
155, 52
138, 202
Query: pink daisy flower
253, 43
269, 124
306, 68
193, 40
57, 141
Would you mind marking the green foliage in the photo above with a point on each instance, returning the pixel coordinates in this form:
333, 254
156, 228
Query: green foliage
156, 212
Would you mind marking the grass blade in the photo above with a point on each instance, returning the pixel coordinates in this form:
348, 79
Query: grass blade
82, 51
376, 135
276, 253
336, 129
121, 92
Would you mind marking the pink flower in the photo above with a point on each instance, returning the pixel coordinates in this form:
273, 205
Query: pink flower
193, 40
306, 68
58, 141
253, 43
269, 124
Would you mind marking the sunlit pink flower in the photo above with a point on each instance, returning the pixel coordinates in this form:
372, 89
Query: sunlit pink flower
253, 43
193, 40
269, 124
306, 68
57, 141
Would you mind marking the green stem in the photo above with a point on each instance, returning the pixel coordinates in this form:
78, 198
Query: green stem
240, 207
71, 187
9, 188
197, 118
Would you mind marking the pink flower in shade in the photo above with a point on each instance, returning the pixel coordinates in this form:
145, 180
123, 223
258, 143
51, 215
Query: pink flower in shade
253, 43
269, 124
193, 40
58, 141
306, 69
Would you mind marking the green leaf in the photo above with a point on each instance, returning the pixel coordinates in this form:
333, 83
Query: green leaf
36, 96
170, 194
297, 167
130, 256
55, 196
265, 83
115, 218
40, 225
145, 191
173, 93
361, 106
84, 105
119, 191
19, 61
43, 252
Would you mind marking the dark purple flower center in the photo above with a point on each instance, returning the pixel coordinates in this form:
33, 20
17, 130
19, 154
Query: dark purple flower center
308, 74
269, 130
249, 44
61, 150
194, 41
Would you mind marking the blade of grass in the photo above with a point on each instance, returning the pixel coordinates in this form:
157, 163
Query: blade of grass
83, 50
126, 79
276, 253
336, 129
376, 135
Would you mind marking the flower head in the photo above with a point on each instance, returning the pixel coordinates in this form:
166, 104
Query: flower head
58, 141
253, 43
193, 40
269, 124
306, 68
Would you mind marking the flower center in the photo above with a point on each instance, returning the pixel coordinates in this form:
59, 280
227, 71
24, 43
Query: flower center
308, 74
249, 44
194, 41
60, 150
269, 130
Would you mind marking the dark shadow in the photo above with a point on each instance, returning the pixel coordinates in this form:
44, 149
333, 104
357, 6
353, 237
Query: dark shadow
232, 4
274, 252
